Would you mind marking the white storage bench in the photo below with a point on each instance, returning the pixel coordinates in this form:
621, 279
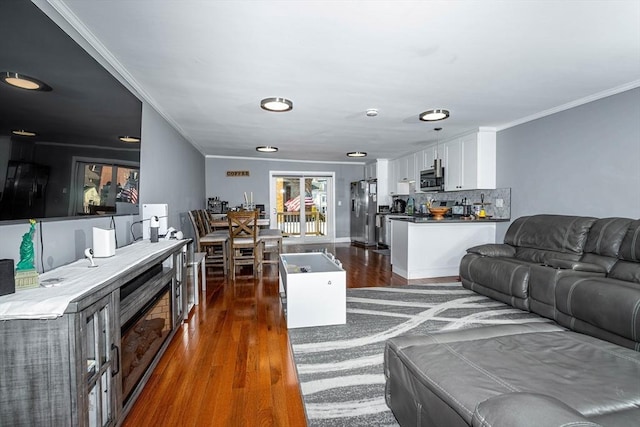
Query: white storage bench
313, 289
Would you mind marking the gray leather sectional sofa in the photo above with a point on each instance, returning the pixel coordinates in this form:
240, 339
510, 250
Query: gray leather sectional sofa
582, 368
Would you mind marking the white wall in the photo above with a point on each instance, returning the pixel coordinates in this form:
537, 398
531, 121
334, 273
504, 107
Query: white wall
171, 171
231, 189
582, 161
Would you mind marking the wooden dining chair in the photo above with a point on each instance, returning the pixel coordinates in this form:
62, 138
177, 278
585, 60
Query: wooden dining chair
271, 245
244, 243
214, 245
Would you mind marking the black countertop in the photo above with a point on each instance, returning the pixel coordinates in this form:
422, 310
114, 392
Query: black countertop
422, 219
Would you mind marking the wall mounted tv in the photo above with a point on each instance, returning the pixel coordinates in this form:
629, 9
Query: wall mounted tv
61, 147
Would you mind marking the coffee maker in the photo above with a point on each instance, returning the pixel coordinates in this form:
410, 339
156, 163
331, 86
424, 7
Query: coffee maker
399, 206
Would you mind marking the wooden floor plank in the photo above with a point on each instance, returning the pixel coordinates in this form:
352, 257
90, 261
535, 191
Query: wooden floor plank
231, 364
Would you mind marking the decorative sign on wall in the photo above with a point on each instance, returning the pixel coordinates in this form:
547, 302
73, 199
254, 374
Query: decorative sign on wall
237, 173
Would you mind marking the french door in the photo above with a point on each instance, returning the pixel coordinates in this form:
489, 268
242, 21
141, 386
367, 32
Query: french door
302, 206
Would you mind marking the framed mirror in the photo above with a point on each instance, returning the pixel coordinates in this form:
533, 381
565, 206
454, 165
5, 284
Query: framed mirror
71, 147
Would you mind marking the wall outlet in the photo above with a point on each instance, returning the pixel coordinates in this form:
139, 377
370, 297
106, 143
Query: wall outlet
499, 203
339, 202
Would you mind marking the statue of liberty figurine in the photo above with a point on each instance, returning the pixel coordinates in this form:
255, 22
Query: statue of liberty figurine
27, 256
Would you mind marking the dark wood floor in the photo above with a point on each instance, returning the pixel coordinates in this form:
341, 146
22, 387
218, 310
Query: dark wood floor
231, 363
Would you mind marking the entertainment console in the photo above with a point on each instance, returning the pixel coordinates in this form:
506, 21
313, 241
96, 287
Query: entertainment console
79, 351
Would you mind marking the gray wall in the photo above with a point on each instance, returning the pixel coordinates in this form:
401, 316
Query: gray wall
231, 189
171, 171
582, 161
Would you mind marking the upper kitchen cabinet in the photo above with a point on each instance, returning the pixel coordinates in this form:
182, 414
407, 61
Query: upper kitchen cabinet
398, 171
407, 168
470, 162
379, 170
371, 170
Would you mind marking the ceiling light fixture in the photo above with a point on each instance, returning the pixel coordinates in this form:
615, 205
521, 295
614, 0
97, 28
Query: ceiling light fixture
22, 132
434, 115
357, 154
267, 149
276, 104
131, 139
372, 112
23, 82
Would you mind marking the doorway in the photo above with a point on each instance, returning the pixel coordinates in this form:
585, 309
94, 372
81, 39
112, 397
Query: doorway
302, 206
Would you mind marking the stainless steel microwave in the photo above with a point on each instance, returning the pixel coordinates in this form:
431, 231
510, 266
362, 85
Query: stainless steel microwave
432, 181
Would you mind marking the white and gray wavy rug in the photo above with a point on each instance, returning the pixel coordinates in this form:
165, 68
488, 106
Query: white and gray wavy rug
340, 367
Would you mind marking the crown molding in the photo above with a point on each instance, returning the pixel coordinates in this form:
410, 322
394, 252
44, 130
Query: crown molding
596, 96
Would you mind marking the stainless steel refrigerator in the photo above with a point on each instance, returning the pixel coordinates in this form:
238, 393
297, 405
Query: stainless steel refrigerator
363, 212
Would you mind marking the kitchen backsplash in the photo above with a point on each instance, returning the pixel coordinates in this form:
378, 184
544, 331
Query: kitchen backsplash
473, 196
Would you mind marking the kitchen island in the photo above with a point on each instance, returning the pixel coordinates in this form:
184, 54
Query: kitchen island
422, 247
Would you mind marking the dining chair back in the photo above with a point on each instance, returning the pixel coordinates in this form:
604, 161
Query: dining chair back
215, 245
245, 245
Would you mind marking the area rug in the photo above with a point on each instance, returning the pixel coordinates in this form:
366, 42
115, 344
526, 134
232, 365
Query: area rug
340, 367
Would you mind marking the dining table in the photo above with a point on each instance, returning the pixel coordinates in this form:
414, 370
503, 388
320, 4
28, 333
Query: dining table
223, 222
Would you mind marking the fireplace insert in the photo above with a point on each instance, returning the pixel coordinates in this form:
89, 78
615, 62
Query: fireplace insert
142, 338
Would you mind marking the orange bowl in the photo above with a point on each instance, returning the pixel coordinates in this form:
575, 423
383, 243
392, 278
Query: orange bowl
438, 211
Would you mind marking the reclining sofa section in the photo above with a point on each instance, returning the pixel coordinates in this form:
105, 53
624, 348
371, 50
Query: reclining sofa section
581, 370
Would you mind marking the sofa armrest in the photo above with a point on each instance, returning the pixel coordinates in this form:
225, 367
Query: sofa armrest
493, 250
565, 264
527, 410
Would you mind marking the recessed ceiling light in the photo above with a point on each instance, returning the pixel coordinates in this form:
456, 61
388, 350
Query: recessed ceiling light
357, 154
267, 149
23, 82
276, 104
434, 115
126, 138
372, 112
22, 132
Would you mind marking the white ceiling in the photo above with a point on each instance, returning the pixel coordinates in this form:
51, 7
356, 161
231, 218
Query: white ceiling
205, 65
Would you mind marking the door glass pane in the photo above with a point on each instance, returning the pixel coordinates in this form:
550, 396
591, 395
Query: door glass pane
106, 401
288, 205
91, 345
301, 206
93, 407
104, 341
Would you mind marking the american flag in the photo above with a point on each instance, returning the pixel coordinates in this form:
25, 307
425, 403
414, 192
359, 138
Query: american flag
130, 195
293, 205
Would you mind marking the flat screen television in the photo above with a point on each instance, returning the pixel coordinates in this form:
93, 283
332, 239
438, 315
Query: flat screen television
61, 147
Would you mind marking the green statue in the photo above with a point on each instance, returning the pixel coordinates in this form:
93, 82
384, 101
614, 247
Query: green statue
27, 256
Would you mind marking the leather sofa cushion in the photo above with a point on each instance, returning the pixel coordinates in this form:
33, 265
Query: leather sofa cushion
464, 368
630, 247
493, 250
507, 276
576, 266
602, 307
627, 268
541, 237
606, 235
527, 410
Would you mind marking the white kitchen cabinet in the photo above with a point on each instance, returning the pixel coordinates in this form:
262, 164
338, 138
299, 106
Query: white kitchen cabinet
371, 170
379, 170
407, 168
469, 162
411, 258
402, 171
